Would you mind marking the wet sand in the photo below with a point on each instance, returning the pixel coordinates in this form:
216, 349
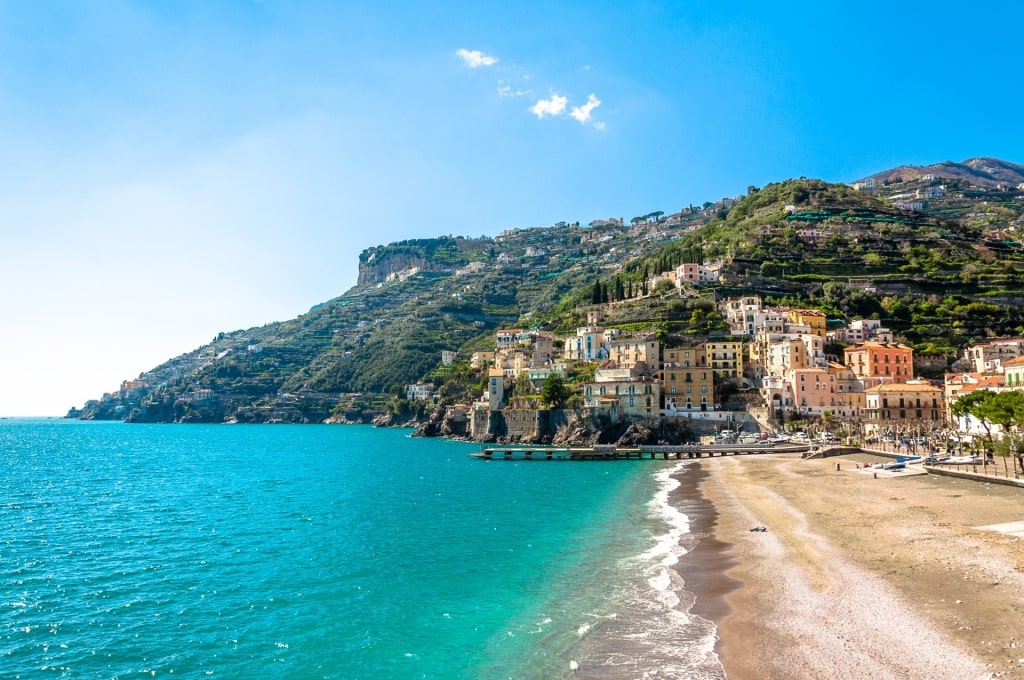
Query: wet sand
857, 577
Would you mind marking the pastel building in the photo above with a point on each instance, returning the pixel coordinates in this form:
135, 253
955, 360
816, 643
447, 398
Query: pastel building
814, 390
619, 393
879, 362
990, 357
495, 388
589, 344
850, 402
686, 384
631, 351
1013, 370
725, 357
813, 318
892, 406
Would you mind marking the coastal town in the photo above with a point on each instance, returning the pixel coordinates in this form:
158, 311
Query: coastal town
882, 311
783, 361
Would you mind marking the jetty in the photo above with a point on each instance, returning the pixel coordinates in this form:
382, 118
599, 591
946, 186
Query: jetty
612, 452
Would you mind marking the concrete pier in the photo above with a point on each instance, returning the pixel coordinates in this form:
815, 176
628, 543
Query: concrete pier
601, 452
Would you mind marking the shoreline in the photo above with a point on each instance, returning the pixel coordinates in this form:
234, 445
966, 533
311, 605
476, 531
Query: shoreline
707, 567
857, 577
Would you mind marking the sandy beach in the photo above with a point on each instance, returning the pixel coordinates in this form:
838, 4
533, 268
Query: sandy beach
859, 577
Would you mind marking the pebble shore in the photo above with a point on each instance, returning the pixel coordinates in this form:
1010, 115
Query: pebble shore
858, 577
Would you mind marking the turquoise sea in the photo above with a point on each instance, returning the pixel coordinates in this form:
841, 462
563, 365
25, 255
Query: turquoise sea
131, 551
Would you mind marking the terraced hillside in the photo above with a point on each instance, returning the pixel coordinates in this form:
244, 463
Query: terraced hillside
940, 258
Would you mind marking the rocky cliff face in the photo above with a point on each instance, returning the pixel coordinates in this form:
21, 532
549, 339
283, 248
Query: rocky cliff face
433, 255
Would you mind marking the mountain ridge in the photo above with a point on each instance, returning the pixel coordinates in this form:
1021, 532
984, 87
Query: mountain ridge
983, 171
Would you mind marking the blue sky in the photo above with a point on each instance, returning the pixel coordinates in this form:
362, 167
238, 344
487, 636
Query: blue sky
173, 170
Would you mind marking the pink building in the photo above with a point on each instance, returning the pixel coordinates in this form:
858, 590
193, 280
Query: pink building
814, 390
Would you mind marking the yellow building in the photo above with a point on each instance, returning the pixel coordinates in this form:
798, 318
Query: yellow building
725, 357
809, 317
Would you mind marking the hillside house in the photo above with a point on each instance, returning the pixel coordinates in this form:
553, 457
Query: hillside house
633, 350
877, 362
989, 357
419, 392
508, 337
479, 360
1013, 371
589, 344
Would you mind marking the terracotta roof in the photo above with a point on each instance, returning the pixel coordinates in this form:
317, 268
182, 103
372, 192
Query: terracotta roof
869, 344
987, 383
903, 387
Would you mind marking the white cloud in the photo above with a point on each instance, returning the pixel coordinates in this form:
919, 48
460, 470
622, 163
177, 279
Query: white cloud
507, 91
476, 58
582, 113
549, 107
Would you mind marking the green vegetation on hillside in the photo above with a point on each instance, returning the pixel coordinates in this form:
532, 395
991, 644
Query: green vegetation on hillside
941, 277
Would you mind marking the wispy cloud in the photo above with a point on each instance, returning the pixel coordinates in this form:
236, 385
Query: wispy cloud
475, 58
514, 82
555, 106
582, 113
505, 90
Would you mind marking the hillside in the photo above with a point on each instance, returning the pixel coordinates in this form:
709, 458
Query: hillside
943, 261
982, 172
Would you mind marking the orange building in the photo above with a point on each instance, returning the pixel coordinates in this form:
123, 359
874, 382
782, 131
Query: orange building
687, 383
881, 362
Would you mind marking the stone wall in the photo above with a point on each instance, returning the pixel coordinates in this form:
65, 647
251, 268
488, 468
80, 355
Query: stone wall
518, 425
